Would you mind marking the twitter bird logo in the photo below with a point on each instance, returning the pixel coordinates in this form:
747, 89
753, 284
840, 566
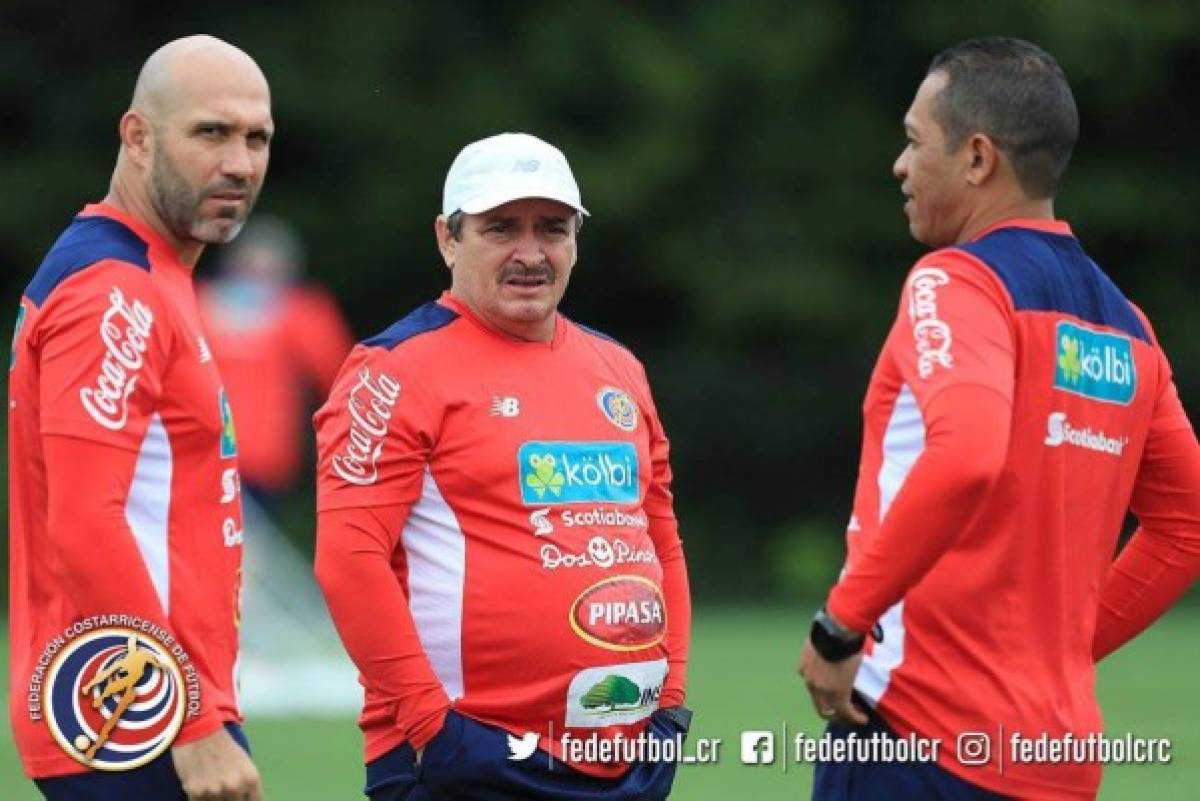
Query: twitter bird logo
522, 748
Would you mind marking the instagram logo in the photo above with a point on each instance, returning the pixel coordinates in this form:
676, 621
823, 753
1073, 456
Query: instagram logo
973, 748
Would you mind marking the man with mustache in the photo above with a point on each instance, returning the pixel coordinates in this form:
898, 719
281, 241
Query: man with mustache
496, 539
123, 463
1020, 407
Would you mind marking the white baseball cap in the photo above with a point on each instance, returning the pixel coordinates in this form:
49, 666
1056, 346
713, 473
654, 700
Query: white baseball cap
505, 167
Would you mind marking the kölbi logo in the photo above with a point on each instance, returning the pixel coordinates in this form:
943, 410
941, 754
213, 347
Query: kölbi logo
556, 473
1059, 431
1094, 364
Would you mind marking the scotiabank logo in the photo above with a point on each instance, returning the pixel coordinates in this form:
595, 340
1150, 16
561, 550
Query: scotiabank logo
1059, 431
125, 332
622, 613
371, 403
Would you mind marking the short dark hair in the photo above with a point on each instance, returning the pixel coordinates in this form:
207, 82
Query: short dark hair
455, 223
1015, 93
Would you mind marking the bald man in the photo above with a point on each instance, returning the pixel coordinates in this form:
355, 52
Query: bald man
125, 515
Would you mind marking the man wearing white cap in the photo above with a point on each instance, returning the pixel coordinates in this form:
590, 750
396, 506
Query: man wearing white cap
496, 539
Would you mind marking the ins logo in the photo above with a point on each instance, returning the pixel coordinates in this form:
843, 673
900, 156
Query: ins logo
618, 407
115, 699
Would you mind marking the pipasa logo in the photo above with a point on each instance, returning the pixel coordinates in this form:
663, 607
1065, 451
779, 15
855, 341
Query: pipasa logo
1094, 364
622, 613
557, 473
1060, 431
114, 699
612, 695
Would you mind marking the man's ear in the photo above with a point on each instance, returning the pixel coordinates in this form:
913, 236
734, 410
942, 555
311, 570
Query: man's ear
137, 137
982, 156
447, 244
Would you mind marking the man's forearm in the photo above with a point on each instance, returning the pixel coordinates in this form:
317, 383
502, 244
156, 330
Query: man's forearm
372, 617
1152, 572
963, 457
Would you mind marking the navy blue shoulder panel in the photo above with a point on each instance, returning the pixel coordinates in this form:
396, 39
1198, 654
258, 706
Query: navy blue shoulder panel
1050, 272
596, 333
422, 320
86, 241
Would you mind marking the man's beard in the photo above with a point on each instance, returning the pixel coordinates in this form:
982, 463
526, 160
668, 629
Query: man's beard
178, 203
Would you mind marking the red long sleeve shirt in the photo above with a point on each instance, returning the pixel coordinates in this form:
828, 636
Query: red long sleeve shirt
1019, 407
123, 495
496, 532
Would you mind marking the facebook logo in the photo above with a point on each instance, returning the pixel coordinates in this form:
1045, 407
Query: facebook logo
758, 747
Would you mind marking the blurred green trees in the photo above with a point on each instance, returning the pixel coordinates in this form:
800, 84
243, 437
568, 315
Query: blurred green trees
747, 239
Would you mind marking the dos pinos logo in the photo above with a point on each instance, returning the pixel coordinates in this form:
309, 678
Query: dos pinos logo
1094, 364
555, 473
114, 699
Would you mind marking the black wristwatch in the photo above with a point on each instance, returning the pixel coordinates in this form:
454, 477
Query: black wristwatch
680, 717
833, 641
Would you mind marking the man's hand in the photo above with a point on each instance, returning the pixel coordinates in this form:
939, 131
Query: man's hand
830, 684
215, 768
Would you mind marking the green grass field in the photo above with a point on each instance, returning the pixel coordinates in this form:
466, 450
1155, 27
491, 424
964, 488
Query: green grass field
743, 677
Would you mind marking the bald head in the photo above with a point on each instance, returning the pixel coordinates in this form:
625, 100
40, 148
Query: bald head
182, 71
195, 142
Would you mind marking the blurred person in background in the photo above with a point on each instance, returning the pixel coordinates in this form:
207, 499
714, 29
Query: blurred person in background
279, 343
126, 547
496, 535
1020, 407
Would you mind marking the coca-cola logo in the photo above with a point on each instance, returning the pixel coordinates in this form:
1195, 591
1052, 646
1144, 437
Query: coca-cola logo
932, 335
371, 403
125, 332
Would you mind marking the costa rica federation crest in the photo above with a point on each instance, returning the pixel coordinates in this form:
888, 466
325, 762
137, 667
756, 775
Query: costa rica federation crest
618, 407
114, 699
